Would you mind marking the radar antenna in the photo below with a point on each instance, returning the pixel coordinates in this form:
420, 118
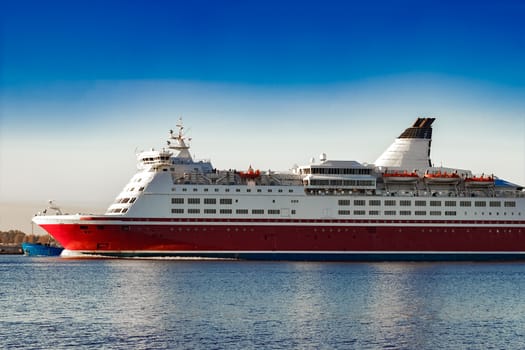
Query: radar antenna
182, 141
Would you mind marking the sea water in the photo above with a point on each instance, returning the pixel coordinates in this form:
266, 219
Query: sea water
55, 303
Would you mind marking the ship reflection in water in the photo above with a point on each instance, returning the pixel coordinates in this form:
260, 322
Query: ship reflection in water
123, 304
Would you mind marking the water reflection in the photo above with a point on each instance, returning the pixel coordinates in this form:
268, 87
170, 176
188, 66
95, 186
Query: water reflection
139, 304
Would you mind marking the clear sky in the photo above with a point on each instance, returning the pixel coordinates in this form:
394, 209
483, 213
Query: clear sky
83, 84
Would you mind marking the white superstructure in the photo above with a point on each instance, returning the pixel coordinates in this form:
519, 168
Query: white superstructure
401, 183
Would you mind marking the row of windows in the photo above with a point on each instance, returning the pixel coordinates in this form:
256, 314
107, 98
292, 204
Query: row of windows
338, 183
423, 203
126, 200
148, 160
417, 212
269, 190
228, 211
393, 212
180, 200
338, 171
131, 189
118, 210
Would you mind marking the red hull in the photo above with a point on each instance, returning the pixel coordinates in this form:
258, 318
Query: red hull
318, 236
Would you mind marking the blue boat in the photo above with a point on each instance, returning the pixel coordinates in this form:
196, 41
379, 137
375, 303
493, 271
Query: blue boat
38, 249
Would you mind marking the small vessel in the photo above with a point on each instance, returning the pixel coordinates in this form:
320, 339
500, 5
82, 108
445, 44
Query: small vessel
400, 207
39, 249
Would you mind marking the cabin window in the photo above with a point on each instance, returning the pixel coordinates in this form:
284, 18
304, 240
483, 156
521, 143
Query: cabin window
257, 211
194, 200
210, 211
274, 211
404, 212
435, 213
510, 204
420, 212
465, 204
210, 201
390, 212
177, 211
373, 212
343, 202
374, 202
421, 203
360, 202
241, 211
225, 211
450, 203
344, 212
405, 203
495, 204
390, 202
194, 211
480, 204
450, 213
177, 200
226, 201
359, 212
435, 203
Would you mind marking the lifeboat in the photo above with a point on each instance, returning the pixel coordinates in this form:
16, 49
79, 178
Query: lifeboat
479, 181
400, 177
250, 174
442, 178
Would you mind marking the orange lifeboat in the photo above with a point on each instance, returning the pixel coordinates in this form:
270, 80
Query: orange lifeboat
400, 176
442, 178
250, 174
479, 181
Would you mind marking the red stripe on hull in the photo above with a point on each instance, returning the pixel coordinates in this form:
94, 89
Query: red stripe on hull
175, 237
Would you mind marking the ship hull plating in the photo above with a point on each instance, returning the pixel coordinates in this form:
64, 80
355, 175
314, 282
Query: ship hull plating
322, 240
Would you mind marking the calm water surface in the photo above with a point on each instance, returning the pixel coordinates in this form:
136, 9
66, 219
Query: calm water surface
53, 303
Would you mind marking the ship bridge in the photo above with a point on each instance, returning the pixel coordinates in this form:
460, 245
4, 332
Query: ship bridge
338, 175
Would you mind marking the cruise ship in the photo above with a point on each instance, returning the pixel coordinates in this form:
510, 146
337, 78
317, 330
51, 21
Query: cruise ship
400, 208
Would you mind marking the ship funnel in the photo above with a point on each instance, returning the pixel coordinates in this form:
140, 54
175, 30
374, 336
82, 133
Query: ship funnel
411, 150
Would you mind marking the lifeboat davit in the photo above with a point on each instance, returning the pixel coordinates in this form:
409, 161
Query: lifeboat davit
400, 177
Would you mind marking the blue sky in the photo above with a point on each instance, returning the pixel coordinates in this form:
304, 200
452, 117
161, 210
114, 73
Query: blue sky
269, 83
261, 42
